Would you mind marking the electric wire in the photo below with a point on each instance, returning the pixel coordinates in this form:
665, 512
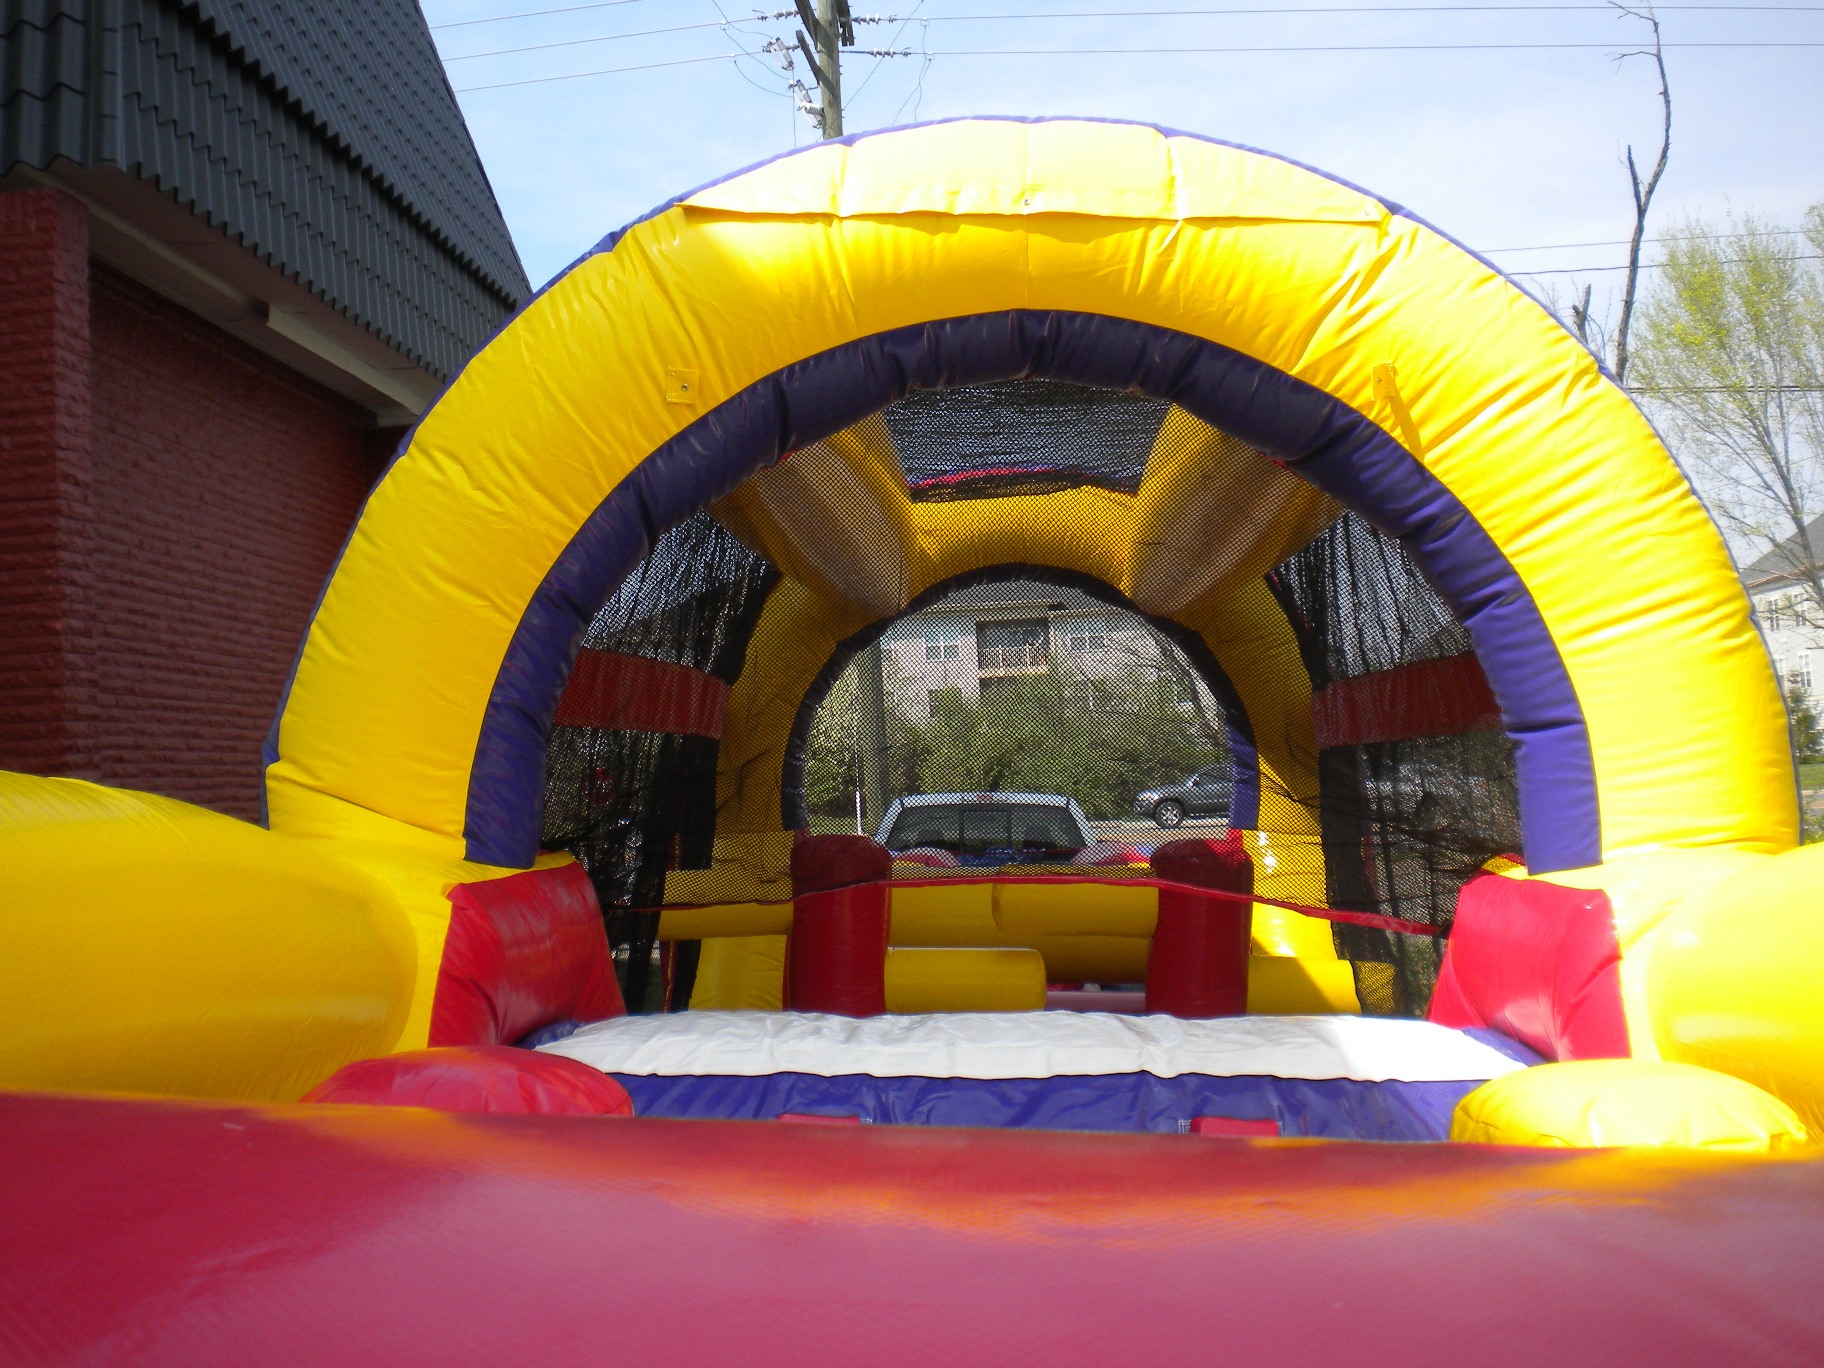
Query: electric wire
1196, 13
1349, 47
725, 22
604, 38
610, 71
879, 62
1653, 265
1623, 242
1171, 52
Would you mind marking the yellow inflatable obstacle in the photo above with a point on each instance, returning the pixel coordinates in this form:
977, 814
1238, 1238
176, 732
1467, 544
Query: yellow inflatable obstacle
1320, 356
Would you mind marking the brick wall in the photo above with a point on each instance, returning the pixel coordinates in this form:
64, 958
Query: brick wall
222, 488
173, 502
44, 480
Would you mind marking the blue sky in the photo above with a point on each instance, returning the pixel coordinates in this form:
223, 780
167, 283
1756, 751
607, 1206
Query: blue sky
1506, 148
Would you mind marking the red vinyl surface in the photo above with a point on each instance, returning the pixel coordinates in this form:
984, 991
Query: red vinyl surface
1446, 697
1233, 1127
1204, 862
478, 1078
1197, 963
635, 693
836, 860
142, 1231
522, 952
1538, 962
836, 958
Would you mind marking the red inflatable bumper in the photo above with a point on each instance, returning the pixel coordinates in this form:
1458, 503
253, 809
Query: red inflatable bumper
478, 1078
141, 1231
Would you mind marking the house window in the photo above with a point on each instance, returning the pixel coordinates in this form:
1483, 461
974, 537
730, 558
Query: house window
1801, 671
1023, 646
952, 650
934, 651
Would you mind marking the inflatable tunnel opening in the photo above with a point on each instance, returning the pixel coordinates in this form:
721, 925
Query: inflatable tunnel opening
986, 384
1031, 586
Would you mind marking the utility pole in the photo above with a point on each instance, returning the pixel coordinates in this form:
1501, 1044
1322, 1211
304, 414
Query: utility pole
830, 29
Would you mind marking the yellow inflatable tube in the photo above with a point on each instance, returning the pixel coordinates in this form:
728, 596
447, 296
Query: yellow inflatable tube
152, 946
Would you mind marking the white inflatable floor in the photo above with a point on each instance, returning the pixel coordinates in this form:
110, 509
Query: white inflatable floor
1007, 1045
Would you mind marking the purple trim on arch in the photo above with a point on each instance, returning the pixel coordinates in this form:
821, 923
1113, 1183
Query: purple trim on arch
1330, 444
270, 748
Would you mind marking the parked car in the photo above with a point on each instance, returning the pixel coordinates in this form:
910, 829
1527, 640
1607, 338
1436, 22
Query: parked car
988, 829
1205, 794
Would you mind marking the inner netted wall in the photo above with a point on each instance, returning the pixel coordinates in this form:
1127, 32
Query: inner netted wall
1021, 437
1019, 677
1406, 820
632, 802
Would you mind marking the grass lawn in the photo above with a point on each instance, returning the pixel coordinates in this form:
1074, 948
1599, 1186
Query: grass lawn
1811, 776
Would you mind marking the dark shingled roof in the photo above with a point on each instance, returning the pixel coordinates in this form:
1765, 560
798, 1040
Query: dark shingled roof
1788, 559
321, 134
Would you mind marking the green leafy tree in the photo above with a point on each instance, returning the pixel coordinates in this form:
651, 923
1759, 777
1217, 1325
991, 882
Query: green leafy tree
1730, 356
830, 760
1096, 740
1807, 732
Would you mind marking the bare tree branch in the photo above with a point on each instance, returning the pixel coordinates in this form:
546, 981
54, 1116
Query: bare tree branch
1643, 192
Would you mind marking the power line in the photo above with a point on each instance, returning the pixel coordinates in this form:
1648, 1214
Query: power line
605, 38
1126, 14
739, 69
1344, 47
891, 42
611, 71
1624, 242
534, 14
1172, 52
1657, 265
1081, 14
1352, 9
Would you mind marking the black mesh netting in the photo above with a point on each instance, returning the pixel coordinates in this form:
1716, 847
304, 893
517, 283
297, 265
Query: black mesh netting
1022, 679
1021, 437
631, 805
1405, 822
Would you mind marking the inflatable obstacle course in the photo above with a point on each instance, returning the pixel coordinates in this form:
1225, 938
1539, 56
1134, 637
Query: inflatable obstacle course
1434, 569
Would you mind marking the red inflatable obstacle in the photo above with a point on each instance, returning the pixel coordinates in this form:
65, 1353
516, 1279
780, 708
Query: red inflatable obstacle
521, 953
172, 1232
1538, 962
837, 958
1198, 963
478, 1078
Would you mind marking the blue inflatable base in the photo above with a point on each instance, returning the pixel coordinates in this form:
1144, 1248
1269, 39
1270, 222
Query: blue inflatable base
1342, 1109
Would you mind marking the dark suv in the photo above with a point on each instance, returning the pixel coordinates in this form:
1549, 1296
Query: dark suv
1205, 794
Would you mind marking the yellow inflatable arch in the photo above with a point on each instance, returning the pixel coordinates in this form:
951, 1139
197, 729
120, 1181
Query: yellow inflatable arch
1386, 366
1319, 350
1322, 350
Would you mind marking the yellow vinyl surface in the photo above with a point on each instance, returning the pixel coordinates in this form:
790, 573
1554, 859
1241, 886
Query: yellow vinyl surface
160, 947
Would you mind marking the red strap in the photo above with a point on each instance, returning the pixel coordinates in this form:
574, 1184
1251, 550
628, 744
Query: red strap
633, 693
1398, 925
1445, 697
